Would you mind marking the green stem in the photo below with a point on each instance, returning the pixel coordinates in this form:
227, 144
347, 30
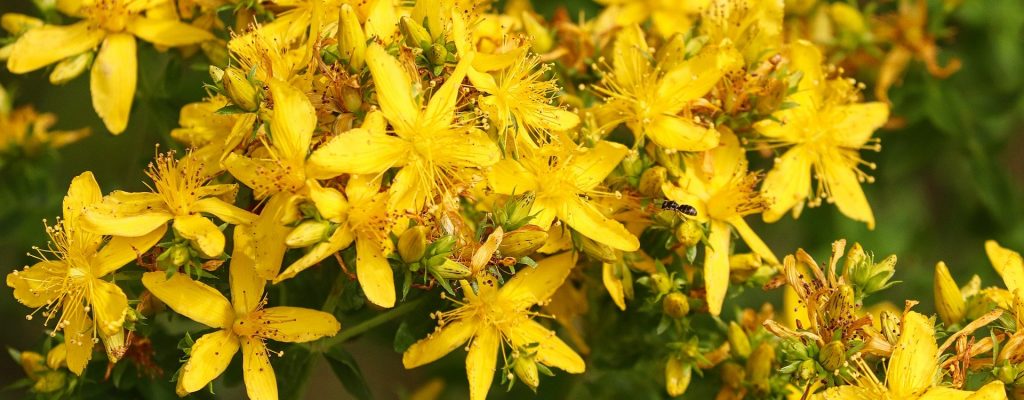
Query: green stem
335, 295
363, 327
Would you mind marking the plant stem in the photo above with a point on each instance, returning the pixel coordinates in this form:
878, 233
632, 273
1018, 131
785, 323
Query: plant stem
363, 327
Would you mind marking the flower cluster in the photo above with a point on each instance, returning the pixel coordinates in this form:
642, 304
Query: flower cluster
495, 158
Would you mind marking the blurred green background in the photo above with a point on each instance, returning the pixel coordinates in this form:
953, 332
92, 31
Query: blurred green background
946, 182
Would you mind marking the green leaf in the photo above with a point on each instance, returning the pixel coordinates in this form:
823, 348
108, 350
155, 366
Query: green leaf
348, 372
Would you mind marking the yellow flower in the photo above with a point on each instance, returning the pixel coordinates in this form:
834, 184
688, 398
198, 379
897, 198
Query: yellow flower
115, 24
911, 372
668, 16
563, 178
180, 194
211, 135
28, 131
753, 26
826, 131
649, 99
491, 318
71, 285
242, 322
720, 188
430, 147
519, 97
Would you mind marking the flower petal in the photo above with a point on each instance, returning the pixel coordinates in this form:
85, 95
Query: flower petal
535, 285
753, 241
357, 152
855, 123
407, 190
340, 239
846, 392
167, 32
32, 285
267, 232
210, 356
113, 80
591, 167
78, 335
679, 133
204, 234
246, 286
840, 176
126, 214
585, 218
394, 89
695, 77
613, 285
788, 183
1007, 263
293, 121
509, 177
227, 212
374, 272
914, 359
195, 300
716, 266
260, 381
630, 62
48, 44
464, 148
551, 350
438, 343
262, 176
441, 109
109, 306
122, 250
82, 193
295, 324
481, 362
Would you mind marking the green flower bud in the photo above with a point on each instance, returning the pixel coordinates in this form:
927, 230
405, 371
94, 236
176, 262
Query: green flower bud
522, 242
738, 340
242, 92
598, 251
662, 282
416, 35
675, 305
677, 376
515, 213
412, 245
451, 270
948, 301
807, 370
525, 368
651, 181
50, 381
308, 233
179, 255
437, 54
833, 355
70, 68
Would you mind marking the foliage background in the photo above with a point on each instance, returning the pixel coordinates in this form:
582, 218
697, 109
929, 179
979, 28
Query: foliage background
947, 180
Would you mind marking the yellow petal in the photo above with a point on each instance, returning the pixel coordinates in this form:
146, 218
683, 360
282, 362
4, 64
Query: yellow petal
210, 356
1007, 263
551, 350
329, 202
855, 123
844, 189
48, 44
394, 88
374, 273
357, 152
82, 193
167, 32
716, 266
847, 392
246, 286
260, 381
204, 234
682, 134
78, 335
945, 393
260, 175
227, 212
914, 358
585, 218
591, 167
552, 119
471, 148
113, 79
339, 240
805, 57
122, 250
293, 121
788, 183
32, 285
695, 77
481, 362
438, 344
126, 214
509, 177
295, 324
109, 306
613, 284
407, 190
630, 56
994, 390
195, 300
441, 108
535, 285
266, 241
753, 240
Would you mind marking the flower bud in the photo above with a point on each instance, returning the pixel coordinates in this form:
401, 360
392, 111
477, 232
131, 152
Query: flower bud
17, 24
351, 99
57, 357
451, 270
677, 376
116, 345
651, 181
49, 382
598, 251
1012, 349
178, 255
351, 39
308, 233
807, 370
416, 35
847, 17
522, 242
242, 92
833, 355
216, 51
515, 213
675, 305
759, 367
542, 41
890, 323
32, 363
948, 300
70, 68
689, 233
662, 283
413, 244
855, 255
733, 375
738, 340
437, 54
525, 368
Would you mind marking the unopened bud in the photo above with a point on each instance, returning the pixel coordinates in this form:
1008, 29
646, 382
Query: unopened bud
437, 54
675, 305
651, 181
890, 323
847, 17
242, 92
516, 212
416, 35
948, 300
179, 255
413, 243
833, 355
689, 233
733, 375
17, 24
738, 340
70, 68
854, 256
542, 41
677, 376
522, 242
526, 370
57, 357
32, 363
308, 233
451, 270
759, 367
351, 39
662, 283
598, 251
351, 99
50, 381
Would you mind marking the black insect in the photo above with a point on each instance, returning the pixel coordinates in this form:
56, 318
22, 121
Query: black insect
682, 208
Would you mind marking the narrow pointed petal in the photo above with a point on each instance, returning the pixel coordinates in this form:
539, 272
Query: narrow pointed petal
551, 350
210, 356
438, 344
374, 273
227, 212
695, 77
468, 148
914, 359
113, 80
109, 306
716, 266
339, 240
857, 122
32, 285
126, 214
167, 32
259, 175
788, 183
585, 218
246, 286
195, 300
82, 193
441, 109
408, 191
844, 189
846, 392
481, 362
630, 51
204, 234
509, 177
293, 121
394, 88
48, 44
1007, 263
357, 152
613, 285
266, 233
260, 381
120, 251
78, 336
295, 324
535, 285
753, 240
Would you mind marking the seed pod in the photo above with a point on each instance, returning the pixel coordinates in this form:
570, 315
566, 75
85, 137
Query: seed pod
413, 244
833, 355
351, 39
675, 305
242, 92
677, 376
651, 181
738, 340
522, 242
948, 301
351, 99
308, 233
689, 233
70, 68
451, 270
759, 367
